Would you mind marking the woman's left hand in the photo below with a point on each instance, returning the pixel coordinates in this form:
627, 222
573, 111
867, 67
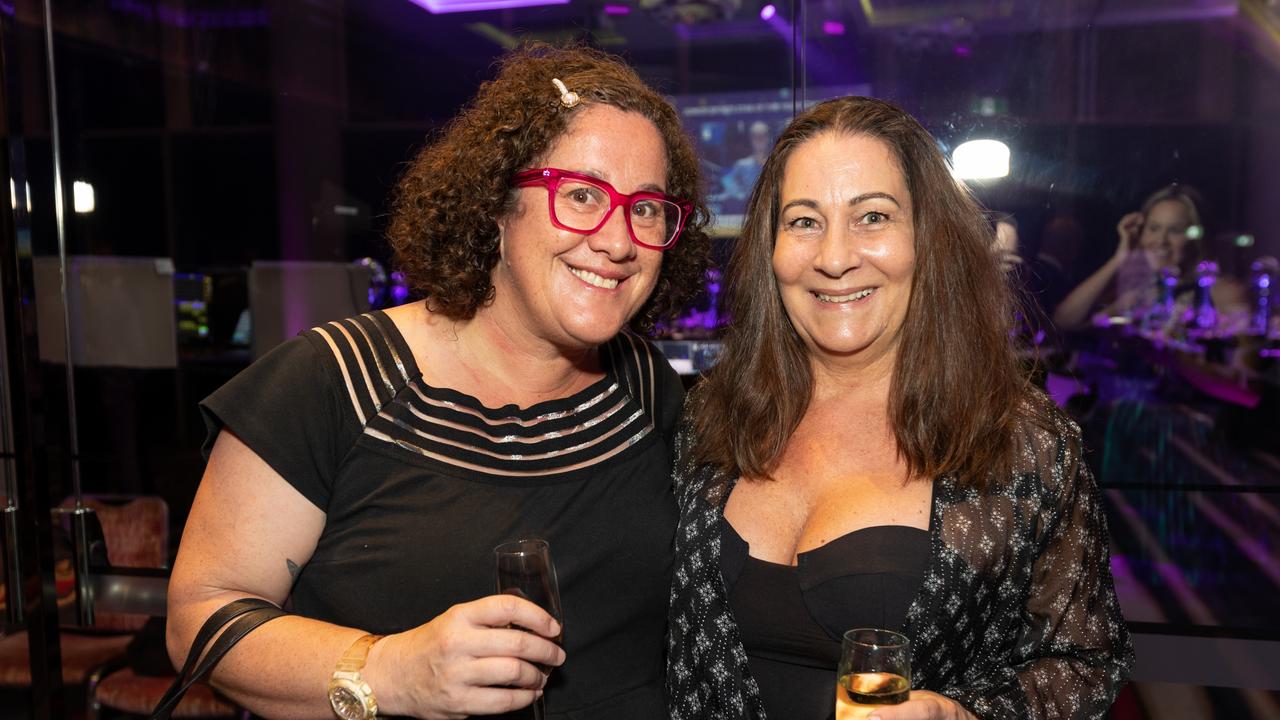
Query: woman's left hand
924, 705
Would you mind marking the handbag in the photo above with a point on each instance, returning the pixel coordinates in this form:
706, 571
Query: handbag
247, 614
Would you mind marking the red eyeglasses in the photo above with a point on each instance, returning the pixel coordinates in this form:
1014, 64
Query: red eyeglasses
582, 204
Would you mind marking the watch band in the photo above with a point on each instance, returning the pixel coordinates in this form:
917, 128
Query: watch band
354, 658
349, 695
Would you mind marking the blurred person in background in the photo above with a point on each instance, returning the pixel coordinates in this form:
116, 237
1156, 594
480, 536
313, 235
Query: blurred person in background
738, 181
1161, 239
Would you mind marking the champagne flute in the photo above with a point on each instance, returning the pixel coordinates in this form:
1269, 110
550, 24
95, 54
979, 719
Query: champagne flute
875, 670
525, 570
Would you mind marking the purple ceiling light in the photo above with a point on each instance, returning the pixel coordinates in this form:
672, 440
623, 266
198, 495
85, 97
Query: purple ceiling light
617, 10
832, 27
768, 11
451, 6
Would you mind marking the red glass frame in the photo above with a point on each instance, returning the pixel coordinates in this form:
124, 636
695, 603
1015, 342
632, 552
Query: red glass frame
550, 178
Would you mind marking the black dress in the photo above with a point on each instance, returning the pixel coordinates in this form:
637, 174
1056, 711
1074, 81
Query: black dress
418, 484
792, 618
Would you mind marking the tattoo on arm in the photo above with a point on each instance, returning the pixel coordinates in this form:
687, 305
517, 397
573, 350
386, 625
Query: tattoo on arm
293, 569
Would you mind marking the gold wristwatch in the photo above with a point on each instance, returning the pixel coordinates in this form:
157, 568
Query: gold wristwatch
349, 695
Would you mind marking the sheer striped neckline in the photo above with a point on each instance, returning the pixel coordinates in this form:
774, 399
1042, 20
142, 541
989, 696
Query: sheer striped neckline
397, 408
510, 411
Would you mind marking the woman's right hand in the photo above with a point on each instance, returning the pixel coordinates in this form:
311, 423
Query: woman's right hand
467, 661
1128, 229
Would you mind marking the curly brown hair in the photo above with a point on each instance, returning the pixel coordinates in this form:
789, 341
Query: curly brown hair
444, 226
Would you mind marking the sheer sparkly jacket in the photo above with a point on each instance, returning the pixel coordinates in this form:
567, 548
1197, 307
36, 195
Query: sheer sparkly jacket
1017, 617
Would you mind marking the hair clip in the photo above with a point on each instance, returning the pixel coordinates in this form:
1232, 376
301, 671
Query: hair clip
568, 99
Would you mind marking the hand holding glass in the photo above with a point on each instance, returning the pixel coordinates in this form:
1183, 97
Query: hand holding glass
875, 670
525, 570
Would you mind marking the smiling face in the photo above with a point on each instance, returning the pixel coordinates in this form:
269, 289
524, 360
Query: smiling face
1164, 233
570, 290
844, 253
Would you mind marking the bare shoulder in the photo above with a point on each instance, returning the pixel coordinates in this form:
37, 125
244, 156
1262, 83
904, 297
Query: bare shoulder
412, 320
423, 331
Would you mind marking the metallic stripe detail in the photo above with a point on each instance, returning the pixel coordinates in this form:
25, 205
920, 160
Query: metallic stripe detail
512, 457
377, 435
586, 425
364, 372
388, 335
511, 419
346, 376
373, 350
636, 347
653, 380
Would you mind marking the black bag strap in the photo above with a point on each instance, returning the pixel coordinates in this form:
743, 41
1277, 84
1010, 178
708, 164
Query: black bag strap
247, 613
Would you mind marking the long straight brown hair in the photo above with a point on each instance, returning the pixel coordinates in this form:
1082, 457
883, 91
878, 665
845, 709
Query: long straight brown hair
957, 389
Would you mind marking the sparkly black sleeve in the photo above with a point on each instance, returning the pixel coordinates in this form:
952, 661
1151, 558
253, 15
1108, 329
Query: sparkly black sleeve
707, 673
1071, 654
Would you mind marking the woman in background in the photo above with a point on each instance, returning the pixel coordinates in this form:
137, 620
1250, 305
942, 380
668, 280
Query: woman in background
1157, 237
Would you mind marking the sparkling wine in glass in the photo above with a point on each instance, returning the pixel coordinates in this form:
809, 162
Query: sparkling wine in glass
875, 670
525, 570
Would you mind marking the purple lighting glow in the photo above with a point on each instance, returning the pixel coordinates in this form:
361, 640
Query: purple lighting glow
831, 27
768, 11
617, 10
440, 7
181, 17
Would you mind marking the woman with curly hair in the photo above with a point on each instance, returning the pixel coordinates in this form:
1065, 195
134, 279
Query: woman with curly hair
868, 453
366, 469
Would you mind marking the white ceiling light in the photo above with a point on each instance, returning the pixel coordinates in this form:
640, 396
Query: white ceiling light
980, 160
82, 197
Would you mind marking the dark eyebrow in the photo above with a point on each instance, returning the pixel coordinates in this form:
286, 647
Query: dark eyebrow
868, 196
799, 203
855, 201
600, 176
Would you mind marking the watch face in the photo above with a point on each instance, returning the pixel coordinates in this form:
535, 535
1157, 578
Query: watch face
346, 704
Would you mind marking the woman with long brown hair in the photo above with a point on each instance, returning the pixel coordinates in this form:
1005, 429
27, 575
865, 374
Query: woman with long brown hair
869, 453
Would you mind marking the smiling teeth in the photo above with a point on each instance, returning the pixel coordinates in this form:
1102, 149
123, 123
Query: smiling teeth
845, 298
589, 277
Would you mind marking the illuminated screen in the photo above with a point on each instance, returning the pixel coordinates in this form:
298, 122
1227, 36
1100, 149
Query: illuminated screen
734, 133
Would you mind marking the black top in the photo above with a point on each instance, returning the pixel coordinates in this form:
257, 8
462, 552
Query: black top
1016, 619
792, 618
419, 484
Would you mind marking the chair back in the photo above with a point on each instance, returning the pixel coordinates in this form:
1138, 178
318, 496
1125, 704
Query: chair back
136, 532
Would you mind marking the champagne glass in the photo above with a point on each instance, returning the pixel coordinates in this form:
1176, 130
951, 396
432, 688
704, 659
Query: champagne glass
875, 670
525, 570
